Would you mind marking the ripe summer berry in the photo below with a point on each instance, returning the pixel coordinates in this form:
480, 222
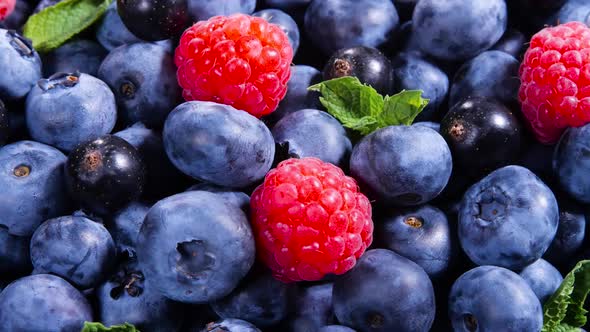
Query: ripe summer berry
237, 60
310, 220
555, 80
6, 8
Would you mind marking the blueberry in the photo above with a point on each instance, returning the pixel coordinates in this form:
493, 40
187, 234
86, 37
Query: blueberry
154, 19
230, 325
75, 248
415, 73
238, 198
285, 22
363, 296
145, 87
571, 163
67, 109
201, 10
335, 24
428, 124
43, 302
543, 278
78, 55
128, 296
492, 74
44, 4
571, 232
483, 135
18, 17
20, 65
195, 246
402, 165
313, 308
335, 328
287, 4
513, 42
218, 144
105, 174
313, 133
420, 234
33, 175
572, 10
490, 298
111, 32
458, 29
508, 218
15, 259
4, 124
124, 225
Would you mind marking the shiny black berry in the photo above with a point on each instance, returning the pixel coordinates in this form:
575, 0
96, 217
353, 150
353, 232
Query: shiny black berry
153, 20
367, 64
4, 125
105, 174
483, 135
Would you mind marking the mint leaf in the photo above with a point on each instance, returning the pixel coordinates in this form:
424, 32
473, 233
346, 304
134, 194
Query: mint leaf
359, 107
565, 308
54, 25
98, 327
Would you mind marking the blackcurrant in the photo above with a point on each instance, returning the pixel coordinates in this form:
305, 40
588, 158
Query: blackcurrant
153, 20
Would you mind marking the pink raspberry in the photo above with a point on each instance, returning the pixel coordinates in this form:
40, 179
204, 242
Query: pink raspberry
6, 8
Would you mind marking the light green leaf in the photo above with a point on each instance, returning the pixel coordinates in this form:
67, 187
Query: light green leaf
402, 108
56, 24
98, 327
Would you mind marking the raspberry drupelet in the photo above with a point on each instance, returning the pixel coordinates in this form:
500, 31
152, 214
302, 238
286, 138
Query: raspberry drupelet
238, 60
310, 220
6, 8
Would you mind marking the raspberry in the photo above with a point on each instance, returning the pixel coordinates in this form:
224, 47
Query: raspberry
238, 60
6, 8
310, 220
555, 80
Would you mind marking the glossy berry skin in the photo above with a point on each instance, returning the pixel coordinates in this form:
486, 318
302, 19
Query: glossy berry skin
491, 74
362, 298
58, 247
230, 325
310, 220
20, 65
335, 24
80, 55
145, 88
33, 175
402, 165
195, 246
154, 19
105, 174
516, 308
43, 302
555, 75
313, 308
483, 135
6, 8
313, 133
4, 124
124, 226
111, 32
65, 110
513, 42
420, 234
201, 10
507, 219
219, 144
571, 163
237, 60
15, 259
367, 64
543, 278
571, 232
285, 22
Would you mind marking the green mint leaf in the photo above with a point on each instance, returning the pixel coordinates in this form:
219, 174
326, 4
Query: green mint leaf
359, 107
54, 25
98, 327
565, 308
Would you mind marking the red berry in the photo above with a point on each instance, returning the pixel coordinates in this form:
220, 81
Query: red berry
238, 60
310, 220
555, 80
6, 8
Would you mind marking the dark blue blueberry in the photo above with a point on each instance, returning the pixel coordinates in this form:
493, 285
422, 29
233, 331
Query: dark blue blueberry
218, 144
33, 175
415, 73
402, 165
298, 97
335, 24
20, 65
18, 17
230, 325
15, 259
571, 162
111, 32
43, 302
195, 246
335, 328
285, 22
313, 133
385, 292
238, 198
129, 296
428, 124
492, 74
458, 29
4, 124
408, 41
124, 226
201, 10
543, 278
508, 219
75, 248
313, 308
513, 42
490, 298
78, 55
65, 110
571, 232
420, 234
572, 10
